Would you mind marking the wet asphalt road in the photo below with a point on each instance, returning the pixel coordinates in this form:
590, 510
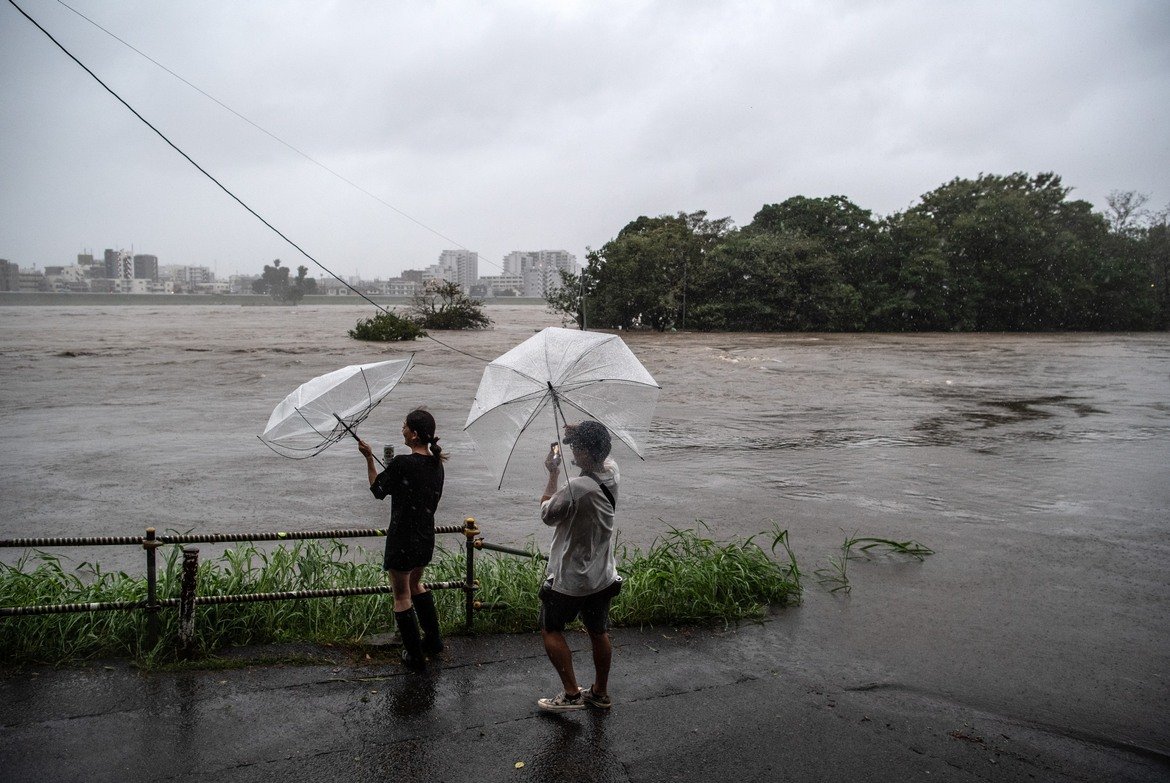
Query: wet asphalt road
744, 704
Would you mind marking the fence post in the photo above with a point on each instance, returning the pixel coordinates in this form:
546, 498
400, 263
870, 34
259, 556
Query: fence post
470, 531
151, 545
187, 601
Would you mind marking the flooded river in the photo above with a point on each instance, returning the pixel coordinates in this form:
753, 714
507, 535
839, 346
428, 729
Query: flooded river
1035, 465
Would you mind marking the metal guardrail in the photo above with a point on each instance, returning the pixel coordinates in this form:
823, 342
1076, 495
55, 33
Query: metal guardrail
188, 598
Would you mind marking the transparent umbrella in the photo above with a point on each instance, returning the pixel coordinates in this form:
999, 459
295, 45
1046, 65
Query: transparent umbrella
559, 376
320, 412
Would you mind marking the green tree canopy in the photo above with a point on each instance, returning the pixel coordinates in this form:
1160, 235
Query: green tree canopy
995, 253
640, 278
1020, 255
771, 282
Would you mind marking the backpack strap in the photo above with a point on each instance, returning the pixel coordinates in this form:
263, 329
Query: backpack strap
604, 489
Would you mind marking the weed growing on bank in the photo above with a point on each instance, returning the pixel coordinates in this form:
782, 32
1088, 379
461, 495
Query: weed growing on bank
684, 578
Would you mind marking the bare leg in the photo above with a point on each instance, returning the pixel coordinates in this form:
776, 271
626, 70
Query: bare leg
561, 656
416, 585
400, 581
602, 655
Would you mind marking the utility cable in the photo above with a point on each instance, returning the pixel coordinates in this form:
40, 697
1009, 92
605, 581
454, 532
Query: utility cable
219, 184
271, 135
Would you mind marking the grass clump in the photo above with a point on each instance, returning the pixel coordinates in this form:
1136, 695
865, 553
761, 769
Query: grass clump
683, 578
688, 578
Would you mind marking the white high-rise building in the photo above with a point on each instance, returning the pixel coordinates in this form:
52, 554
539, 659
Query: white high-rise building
458, 266
540, 269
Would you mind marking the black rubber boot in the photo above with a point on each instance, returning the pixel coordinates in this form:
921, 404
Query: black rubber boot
428, 619
412, 654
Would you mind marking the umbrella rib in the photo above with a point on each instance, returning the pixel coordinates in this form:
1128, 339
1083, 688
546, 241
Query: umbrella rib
596, 346
572, 387
511, 451
369, 394
581, 356
313, 451
519, 398
593, 416
314, 429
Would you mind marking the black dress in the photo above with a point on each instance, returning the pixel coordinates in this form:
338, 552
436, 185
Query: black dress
414, 484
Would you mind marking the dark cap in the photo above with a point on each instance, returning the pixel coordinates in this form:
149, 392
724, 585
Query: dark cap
591, 436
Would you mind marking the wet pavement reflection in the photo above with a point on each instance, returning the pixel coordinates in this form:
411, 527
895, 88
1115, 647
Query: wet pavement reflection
573, 746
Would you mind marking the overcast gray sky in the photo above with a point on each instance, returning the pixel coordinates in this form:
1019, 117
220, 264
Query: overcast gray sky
526, 125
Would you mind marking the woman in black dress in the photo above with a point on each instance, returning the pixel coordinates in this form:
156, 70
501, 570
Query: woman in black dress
414, 483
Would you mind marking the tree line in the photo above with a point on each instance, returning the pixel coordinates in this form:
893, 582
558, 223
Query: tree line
996, 253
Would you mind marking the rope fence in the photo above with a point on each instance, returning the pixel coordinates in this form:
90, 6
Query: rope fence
188, 598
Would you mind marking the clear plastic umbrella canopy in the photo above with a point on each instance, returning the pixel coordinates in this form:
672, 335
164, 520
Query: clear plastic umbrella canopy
320, 412
558, 376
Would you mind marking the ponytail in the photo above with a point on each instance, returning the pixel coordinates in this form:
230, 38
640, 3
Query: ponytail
423, 424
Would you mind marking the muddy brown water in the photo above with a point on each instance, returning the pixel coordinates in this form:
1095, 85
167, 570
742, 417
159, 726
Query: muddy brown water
1035, 465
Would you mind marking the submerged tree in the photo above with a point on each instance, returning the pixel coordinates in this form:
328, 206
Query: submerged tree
1020, 255
275, 283
641, 277
444, 305
996, 253
772, 282
568, 299
386, 327
304, 285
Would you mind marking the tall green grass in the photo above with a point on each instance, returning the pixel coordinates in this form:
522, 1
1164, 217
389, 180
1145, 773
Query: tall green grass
685, 577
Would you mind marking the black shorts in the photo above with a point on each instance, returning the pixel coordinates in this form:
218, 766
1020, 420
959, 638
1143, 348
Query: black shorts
558, 610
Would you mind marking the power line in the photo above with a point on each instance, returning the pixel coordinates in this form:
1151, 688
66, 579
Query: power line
218, 184
272, 135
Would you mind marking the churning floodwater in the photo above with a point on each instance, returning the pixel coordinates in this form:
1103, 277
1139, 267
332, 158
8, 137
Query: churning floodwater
1035, 465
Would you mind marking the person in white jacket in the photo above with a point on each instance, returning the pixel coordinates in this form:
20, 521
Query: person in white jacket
582, 574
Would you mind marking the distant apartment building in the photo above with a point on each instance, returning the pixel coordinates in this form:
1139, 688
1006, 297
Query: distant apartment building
401, 287
9, 275
187, 276
506, 284
72, 279
118, 264
241, 284
130, 285
540, 269
32, 281
145, 267
456, 266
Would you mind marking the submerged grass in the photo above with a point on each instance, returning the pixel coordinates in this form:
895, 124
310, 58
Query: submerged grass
684, 578
835, 575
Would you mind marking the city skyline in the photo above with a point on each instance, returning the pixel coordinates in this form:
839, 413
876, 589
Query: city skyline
532, 273
494, 267
377, 136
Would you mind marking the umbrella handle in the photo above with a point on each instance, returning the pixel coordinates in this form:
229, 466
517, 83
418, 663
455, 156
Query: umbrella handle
349, 429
